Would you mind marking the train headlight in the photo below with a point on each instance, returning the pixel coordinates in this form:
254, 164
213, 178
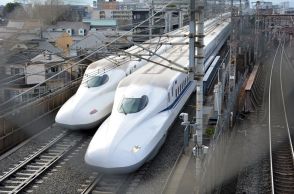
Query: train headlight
136, 148
93, 111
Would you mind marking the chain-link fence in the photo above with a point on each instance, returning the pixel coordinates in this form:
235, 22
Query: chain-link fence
215, 157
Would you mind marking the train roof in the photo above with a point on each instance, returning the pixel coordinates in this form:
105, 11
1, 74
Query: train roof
114, 61
155, 75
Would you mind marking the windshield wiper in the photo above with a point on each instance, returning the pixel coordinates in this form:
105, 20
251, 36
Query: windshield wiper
122, 107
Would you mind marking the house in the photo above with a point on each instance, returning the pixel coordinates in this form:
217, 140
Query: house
71, 28
101, 24
64, 42
64, 34
99, 39
25, 26
91, 43
43, 66
11, 91
16, 62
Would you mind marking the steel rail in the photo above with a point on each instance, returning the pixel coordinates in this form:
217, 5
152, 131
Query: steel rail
104, 183
269, 122
284, 107
27, 171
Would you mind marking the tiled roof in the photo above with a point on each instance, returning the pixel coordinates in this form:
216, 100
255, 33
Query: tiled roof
89, 42
42, 58
46, 46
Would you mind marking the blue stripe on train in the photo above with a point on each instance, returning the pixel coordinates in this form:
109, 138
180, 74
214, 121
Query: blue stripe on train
176, 101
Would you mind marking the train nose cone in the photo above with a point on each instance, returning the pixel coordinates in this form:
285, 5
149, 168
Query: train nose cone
67, 117
64, 116
114, 162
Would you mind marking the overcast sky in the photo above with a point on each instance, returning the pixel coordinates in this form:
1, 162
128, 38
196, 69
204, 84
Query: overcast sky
3, 2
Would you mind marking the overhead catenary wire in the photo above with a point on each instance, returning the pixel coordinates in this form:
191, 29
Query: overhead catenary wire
58, 64
208, 29
88, 56
21, 74
76, 57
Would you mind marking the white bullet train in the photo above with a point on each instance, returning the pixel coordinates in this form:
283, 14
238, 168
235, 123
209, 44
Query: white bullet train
94, 99
145, 106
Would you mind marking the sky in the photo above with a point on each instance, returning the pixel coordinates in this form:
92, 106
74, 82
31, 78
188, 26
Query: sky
3, 2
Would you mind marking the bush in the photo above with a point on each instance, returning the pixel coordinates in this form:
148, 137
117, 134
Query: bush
209, 131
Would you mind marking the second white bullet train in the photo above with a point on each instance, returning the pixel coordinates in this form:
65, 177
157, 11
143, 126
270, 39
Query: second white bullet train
145, 106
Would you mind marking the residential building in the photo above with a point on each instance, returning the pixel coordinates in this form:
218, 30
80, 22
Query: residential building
71, 28
101, 24
99, 39
64, 42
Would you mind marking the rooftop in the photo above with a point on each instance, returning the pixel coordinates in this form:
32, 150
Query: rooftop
99, 22
46, 57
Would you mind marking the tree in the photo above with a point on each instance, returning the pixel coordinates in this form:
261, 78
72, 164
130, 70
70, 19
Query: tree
14, 11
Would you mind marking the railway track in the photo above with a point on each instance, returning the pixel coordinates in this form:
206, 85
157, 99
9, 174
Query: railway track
280, 139
31, 168
107, 184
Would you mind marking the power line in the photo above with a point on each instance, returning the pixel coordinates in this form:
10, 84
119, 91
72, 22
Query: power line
88, 56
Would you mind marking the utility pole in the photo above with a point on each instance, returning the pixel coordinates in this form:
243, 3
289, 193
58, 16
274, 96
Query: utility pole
196, 69
241, 16
151, 19
233, 50
181, 18
256, 46
192, 28
199, 70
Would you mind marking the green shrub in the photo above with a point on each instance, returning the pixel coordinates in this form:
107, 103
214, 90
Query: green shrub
209, 131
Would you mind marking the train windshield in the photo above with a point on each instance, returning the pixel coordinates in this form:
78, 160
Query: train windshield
97, 81
133, 105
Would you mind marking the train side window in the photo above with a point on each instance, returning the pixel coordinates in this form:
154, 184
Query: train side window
173, 91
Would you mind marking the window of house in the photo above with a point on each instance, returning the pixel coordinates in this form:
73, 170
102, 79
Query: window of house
54, 69
17, 71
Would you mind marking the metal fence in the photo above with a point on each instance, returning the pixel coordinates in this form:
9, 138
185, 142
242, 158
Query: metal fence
211, 174
24, 121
